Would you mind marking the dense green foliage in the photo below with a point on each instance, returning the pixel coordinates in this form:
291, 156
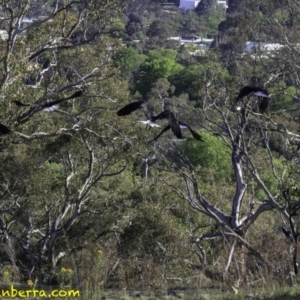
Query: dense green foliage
128, 60
159, 63
213, 156
83, 190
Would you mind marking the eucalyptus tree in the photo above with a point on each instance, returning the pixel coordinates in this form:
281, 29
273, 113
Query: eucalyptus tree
263, 179
57, 160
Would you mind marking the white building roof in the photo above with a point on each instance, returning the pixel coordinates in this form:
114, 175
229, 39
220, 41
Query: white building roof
188, 4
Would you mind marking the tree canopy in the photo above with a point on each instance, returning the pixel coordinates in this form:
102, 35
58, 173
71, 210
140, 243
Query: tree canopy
82, 189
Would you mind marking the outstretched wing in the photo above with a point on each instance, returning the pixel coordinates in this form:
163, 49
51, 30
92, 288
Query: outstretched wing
166, 114
4, 129
19, 103
168, 127
75, 95
175, 127
192, 131
247, 90
52, 103
150, 123
264, 105
129, 108
261, 93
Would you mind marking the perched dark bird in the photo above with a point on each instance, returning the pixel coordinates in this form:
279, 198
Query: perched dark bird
174, 125
50, 104
4, 130
247, 90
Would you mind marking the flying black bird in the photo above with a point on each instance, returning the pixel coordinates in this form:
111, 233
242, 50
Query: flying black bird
173, 122
182, 126
174, 125
264, 104
4, 130
262, 94
19, 103
141, 105
247, 90
150, 123
168, 127
131, 107
49, 104
192, 131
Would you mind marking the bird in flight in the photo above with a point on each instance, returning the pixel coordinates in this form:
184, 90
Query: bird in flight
247, 90
47, 105
264, 105
174, 125
131, 107
150, 123
141, 105
192, 131
262, 94
4, 129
